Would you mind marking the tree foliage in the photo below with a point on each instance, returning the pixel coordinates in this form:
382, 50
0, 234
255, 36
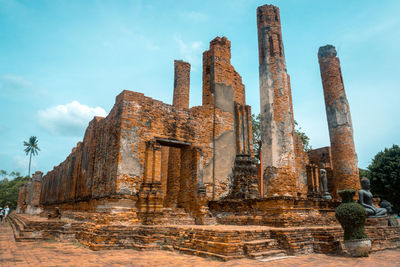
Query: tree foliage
256, 125
351, 216
364, 173
9, 188
385, 175
31, 148
304, 138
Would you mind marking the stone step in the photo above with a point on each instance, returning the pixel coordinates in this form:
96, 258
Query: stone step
259, 242
209, 221
259, 245
207, 254
20, 234
267, 254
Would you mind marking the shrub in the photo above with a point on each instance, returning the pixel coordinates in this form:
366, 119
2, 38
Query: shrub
351, 216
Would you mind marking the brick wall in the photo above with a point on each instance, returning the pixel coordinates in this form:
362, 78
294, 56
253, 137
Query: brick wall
90, 170
217, 68
145, 119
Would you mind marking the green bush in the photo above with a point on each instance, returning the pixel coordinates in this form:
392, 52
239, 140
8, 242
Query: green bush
347, 195
351, 216
9, 191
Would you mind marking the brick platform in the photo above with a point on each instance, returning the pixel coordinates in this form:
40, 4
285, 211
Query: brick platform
222, 242
67, 253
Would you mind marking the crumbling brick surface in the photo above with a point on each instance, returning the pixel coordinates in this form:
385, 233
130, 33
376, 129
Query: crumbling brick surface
111, 159
90, 170
181, 84
321, 156
344, 157
275, 211
151, 119
29, 195
277, 125
217, 68
302, 161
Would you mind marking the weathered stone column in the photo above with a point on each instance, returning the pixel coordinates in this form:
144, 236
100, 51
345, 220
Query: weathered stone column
181, 84
278, 153
344, 157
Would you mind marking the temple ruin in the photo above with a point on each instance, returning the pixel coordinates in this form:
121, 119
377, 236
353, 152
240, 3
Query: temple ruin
153, 175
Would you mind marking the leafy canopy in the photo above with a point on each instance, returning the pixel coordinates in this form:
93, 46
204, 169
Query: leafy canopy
31, 147
9, 188
384, 175
256, 126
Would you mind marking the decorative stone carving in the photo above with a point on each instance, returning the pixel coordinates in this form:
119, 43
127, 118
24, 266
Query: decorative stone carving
365, 199
324, 182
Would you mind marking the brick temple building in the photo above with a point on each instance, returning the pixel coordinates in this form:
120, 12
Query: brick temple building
149, 167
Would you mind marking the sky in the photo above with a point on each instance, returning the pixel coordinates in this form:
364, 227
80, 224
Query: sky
64, 61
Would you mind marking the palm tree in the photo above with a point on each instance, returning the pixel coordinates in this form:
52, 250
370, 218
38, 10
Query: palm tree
31, 149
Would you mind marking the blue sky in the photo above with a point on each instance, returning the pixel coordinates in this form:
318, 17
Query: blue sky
62, 62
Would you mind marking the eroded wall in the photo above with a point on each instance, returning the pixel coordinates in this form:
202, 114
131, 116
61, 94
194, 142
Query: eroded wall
90, 170
145, 119
29, 195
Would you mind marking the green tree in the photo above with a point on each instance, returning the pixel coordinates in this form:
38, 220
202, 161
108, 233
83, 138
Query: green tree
256, 125
304, 138
385, 175
9, 191
364, 173
31, 148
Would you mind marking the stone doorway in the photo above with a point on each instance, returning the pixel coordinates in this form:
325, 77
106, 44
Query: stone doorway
178, 175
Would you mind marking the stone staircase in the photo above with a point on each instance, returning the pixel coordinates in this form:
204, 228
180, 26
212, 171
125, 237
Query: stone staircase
21, 231
42, 228
206, 241
222, 244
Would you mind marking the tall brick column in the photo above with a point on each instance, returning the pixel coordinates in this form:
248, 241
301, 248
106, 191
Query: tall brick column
344, 157
180, 100
278, 154
181, 84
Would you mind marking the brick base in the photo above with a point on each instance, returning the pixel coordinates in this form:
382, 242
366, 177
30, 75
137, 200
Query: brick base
275, 211
224, 242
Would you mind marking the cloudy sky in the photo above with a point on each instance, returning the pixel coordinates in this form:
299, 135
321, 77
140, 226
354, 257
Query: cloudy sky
64, 61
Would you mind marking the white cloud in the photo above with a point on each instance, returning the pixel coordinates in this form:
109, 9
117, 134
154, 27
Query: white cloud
194, 16
190, 51
69, 119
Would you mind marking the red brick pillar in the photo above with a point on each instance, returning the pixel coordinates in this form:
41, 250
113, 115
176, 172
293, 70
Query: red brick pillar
180, 100
344, 157
181, 84
278, 153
